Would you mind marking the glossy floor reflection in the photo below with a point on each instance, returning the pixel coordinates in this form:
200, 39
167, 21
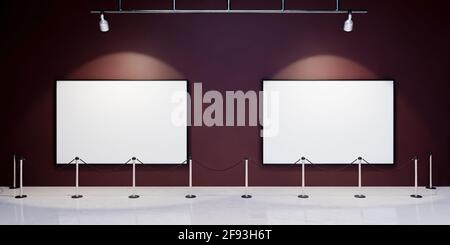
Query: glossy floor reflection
222, 205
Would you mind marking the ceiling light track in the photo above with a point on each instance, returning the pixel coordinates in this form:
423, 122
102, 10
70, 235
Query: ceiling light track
234, 11
229, 10
104, 24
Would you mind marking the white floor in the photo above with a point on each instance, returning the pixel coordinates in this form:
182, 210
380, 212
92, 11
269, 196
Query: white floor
224, 205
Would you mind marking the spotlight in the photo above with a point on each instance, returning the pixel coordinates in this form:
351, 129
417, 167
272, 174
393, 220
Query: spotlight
348, 25
104, 25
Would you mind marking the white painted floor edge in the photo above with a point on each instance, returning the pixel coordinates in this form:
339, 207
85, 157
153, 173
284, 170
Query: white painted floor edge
224, 205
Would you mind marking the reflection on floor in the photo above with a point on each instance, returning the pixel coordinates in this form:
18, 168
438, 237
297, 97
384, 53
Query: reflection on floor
222, 205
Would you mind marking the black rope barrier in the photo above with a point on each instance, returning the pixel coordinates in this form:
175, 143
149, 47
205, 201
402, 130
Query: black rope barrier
241, 161
113, 170
120, 167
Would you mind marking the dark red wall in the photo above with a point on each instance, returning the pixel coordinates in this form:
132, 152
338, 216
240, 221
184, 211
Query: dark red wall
43, 41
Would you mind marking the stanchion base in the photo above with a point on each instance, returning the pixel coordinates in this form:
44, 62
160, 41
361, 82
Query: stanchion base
133, 196
190, 196
416, 196
431, 188
13, 188
20, 196
246, 196
360, 196
76, 196
303, 196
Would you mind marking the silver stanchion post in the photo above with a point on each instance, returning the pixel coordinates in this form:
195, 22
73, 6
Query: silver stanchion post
246, 195
21, 195
416, 182
430, 186
77, 177
302, 195
13, 186
190, 195
360, 159
134, 195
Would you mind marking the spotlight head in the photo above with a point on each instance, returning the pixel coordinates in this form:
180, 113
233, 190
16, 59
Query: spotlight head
104, 25
348, 25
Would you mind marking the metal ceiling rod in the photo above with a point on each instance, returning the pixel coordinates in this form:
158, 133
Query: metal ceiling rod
174, 10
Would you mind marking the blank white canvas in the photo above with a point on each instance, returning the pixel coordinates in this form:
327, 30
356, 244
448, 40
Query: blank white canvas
331, 122
108, 122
